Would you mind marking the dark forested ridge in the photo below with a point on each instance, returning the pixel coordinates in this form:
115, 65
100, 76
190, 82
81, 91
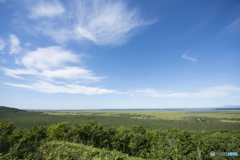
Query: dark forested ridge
4, 109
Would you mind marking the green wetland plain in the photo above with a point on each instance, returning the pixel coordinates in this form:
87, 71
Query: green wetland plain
118, 134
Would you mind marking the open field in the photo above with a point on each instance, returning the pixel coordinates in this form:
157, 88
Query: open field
223, 116
189, 120
230, 121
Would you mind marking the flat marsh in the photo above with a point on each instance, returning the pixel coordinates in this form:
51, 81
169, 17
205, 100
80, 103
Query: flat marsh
223, 116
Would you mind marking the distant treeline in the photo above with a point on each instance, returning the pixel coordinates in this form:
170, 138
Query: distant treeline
4, 109
227, 109
91, 140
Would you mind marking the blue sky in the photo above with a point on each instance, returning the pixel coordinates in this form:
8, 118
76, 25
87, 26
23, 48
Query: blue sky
119, 54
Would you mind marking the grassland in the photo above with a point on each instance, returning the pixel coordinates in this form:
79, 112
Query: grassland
230, 121
223, 116
210, 120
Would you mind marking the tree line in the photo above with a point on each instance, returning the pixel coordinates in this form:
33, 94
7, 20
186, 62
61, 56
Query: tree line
135, 141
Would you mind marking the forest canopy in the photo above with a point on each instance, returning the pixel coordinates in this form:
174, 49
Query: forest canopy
90, 140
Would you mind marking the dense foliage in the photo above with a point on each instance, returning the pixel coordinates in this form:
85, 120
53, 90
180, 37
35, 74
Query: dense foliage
71, 151
66, 141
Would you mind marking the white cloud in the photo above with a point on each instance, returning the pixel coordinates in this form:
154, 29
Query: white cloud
106, 22
214, 92
14, 44
160, 94
46, 66
15, 73
68, 73
47, 87
2, 44
51, 63
71, 73
48, 58
103, 22
43, 8
184, 56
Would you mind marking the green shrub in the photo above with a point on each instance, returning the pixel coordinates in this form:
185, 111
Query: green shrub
72, 151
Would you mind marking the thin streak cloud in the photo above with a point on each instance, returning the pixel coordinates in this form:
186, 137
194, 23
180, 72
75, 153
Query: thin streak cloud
213, 92
185, 56
46, 87
233, 27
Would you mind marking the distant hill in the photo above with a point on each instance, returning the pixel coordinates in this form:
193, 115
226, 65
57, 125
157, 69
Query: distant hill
229, 107
4, 109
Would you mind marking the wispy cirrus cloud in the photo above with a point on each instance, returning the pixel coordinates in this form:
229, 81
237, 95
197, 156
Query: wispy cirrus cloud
102, 22
185, 56
67, 73
46, 87
233, 27
14, 44
106, 22
43, 8
213, 92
